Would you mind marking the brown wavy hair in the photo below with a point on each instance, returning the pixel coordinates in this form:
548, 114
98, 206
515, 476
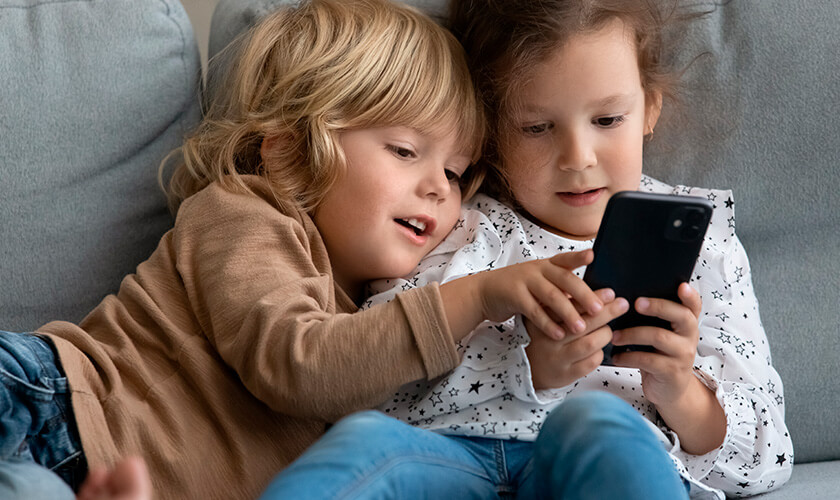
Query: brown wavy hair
304, 74
504, 39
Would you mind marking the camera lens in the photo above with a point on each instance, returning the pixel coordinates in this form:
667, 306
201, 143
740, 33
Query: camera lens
690, 232
695, 217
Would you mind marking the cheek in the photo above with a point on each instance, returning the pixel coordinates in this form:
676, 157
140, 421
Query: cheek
451, 214
525, 179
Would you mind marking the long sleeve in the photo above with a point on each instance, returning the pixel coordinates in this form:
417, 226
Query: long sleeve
260, 284
733, 359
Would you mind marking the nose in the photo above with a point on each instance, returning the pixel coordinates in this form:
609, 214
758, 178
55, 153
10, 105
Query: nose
434, 183
577, 150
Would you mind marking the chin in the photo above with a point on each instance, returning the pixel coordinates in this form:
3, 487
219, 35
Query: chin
399, 270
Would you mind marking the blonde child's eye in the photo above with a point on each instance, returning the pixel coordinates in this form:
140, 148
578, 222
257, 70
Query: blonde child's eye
453, 177
400, 151
608, 121
538, 129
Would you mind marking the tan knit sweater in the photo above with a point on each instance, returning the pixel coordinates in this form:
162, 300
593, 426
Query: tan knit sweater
226, 353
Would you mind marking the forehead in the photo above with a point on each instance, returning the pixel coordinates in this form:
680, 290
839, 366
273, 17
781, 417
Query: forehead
594, 65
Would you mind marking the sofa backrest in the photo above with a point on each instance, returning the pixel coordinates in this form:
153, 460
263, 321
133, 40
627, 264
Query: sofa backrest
93, 94
758, 117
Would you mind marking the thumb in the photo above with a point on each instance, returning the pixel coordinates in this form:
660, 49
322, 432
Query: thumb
690, 298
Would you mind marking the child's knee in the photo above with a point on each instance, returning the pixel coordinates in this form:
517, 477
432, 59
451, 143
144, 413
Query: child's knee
363, 422
588, 420
366, 430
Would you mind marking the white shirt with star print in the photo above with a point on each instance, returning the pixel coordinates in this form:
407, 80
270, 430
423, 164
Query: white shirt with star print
491, 393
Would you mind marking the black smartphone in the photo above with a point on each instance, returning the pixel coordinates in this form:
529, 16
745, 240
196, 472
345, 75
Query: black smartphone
646, 246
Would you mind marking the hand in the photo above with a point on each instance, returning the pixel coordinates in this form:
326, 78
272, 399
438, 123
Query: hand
545, 291
558, 363
667, 372
686, 405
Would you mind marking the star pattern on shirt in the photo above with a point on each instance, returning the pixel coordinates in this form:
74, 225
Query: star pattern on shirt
495, 396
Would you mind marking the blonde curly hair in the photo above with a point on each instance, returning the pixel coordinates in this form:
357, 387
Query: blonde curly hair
304, 74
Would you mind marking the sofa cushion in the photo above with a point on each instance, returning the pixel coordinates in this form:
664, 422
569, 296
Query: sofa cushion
94, 94
816, 481
758, 113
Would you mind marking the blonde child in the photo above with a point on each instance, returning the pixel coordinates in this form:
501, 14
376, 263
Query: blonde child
573, 89
334, 154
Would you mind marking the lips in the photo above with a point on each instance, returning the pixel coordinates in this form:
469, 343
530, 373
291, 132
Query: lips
418, 228
581, 198
418, 225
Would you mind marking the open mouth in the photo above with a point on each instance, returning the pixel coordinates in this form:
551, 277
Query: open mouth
419, 227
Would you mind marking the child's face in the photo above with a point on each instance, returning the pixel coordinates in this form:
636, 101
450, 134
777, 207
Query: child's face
399, 199
579, 137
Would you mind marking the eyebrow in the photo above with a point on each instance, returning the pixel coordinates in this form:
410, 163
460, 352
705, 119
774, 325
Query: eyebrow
599, 103
613, 99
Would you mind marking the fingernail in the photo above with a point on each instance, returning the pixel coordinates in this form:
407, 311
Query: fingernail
609, 294
596, 308
580, 325
559, 333
623, 305
642, 304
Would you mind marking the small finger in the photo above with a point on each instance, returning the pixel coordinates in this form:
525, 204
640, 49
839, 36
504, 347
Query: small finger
539, 317
650, 362
576, 289
560, 306
605, 295
665, 342
611, 311
682, 319
583, 347
690, 298
573, 260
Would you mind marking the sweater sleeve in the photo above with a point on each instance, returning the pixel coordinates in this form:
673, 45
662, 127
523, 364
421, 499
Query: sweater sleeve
260, 285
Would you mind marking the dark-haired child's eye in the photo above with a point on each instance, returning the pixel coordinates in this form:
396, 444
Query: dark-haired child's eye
537, 129
608, 121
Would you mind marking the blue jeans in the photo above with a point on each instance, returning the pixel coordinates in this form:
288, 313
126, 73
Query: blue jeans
37, 430
591, 446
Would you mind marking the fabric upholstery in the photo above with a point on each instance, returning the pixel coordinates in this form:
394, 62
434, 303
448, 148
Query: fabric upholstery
94, 93
757, 117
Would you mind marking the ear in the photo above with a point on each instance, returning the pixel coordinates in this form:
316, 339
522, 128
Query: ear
269, 146
653, 108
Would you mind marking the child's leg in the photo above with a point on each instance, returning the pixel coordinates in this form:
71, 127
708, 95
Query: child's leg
597, 446
36, 422
370, 455
27, 480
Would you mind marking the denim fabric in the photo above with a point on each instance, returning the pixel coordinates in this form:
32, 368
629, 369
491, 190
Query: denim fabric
27, 480
593, 446
36, 419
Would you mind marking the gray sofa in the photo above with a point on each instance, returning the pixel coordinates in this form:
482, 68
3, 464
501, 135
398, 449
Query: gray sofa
93, 94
